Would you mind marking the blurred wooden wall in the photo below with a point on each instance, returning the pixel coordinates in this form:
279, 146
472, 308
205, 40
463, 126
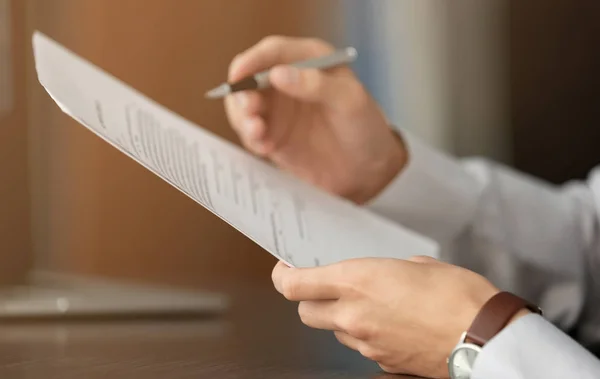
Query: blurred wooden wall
97, 211
15, 241
555, 76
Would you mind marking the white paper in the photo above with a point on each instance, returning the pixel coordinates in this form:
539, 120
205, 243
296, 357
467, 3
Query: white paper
296, 222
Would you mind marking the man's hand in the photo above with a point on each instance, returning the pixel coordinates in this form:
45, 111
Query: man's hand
321, 126
405, 315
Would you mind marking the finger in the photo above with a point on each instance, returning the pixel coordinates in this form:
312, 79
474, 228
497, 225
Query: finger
254, 136
249, 128
340, 92
275, 50
301, 284
423, 259
251, 132
318, 314
241, 107
279, 271
249, 103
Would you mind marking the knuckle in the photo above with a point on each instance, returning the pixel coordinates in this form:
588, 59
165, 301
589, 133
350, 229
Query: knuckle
356, 281
345, 322
361, 331
272, 41
353, 324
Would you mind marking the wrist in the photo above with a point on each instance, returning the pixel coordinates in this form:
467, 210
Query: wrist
496, 314
522, 313
384, 170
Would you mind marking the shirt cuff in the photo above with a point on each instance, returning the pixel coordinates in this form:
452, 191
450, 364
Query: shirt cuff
532, 347
433, 195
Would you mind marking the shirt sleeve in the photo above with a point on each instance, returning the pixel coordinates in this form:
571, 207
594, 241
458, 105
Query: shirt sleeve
531, 347
434, 194
527, 236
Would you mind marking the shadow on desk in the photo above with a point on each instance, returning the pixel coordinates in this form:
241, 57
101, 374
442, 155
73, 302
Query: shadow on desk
261, 337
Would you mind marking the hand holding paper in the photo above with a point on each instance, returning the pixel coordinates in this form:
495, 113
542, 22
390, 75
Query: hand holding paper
296, 222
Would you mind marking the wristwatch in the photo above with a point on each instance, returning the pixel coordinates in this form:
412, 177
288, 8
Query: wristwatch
491, 319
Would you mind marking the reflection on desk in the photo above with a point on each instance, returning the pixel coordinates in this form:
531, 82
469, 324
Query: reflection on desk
261, 337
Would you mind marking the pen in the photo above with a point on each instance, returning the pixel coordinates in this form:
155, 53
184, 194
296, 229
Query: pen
261, 80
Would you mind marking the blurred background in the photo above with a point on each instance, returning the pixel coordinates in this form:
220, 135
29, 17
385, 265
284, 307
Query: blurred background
516, 81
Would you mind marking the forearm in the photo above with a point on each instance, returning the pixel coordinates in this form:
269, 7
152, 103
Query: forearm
531, 347
525, 235
446, 198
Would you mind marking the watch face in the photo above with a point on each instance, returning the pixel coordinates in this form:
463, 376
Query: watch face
461, 361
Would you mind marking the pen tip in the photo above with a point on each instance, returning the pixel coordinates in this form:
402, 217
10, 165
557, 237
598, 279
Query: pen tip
352, 52
219, 92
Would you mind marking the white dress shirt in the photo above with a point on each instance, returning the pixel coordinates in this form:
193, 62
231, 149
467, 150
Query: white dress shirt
534, 239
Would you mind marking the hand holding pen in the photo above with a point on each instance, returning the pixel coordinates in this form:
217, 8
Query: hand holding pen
261, 79
317, 121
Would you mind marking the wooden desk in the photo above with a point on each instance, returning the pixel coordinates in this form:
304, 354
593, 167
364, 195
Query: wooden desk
261, 337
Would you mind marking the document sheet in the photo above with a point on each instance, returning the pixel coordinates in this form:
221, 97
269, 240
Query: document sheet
296, 222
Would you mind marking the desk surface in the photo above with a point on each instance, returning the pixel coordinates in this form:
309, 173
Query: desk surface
261, 337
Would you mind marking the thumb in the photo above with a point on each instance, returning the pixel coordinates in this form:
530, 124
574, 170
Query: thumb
312, 85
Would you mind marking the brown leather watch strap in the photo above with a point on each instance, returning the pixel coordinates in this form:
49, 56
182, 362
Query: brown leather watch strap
495, 315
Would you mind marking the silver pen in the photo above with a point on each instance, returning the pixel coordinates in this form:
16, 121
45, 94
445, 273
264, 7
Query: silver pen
261, 80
